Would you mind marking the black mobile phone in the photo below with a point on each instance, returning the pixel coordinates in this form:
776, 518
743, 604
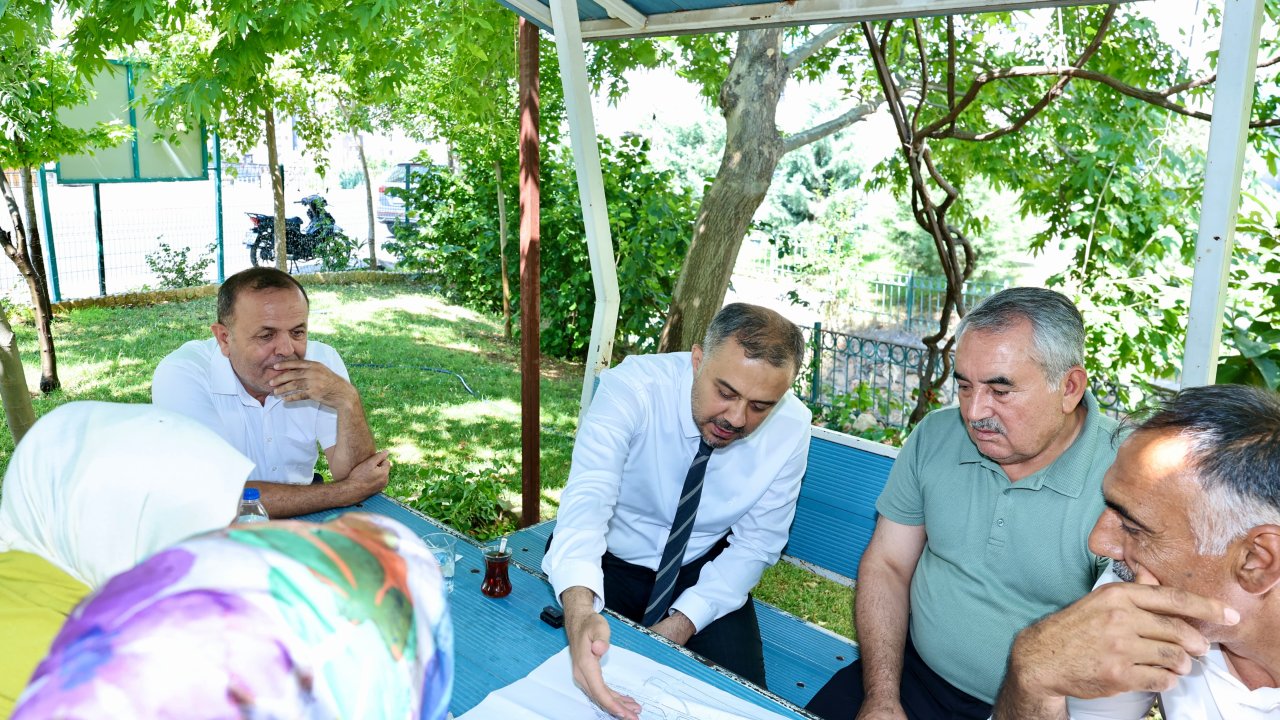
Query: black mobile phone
552, 616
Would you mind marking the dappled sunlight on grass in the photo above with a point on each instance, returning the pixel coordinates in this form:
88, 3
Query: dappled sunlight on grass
505, 409
403, 450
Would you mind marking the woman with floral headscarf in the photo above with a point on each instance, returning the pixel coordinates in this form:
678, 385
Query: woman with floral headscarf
92, 489
284, 619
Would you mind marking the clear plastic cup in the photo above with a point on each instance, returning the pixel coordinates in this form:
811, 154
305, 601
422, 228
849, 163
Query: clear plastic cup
444, 547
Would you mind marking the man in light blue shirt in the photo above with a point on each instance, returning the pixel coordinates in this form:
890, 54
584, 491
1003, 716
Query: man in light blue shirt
651, 417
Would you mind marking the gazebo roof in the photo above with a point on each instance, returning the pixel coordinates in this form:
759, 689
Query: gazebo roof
610, 19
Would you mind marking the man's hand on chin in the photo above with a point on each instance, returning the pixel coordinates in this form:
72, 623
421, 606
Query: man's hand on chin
1122, 637
676, 627
308, 380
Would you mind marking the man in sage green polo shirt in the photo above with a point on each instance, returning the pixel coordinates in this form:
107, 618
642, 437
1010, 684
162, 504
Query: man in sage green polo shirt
985, 519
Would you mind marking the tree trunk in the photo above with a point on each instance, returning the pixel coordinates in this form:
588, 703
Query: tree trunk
16, 249
35, 252
502, 249
749, 101
43, 306
955, 252
277, 192
13, 384
368, 199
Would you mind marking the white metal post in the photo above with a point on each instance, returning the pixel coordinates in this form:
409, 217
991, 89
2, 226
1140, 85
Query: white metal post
1228, 133
595, 213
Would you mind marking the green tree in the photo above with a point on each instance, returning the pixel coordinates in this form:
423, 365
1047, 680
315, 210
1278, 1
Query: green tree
36, 83
234, 65
1253, 330
1061, 112
1003, 96
465, 93
746, 81
456, 243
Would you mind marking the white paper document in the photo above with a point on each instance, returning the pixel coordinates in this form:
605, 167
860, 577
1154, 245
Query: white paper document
548, 693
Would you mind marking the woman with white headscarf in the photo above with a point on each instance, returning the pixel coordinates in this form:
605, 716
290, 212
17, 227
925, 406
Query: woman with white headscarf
91, 490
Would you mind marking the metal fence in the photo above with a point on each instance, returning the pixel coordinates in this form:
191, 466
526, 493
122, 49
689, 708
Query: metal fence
855, 374
915, 301
872, 375
100, 246
851, 296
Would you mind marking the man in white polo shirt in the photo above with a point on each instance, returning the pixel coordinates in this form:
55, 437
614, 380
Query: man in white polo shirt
275, 397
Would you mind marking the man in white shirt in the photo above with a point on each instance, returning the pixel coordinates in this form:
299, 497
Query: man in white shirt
1192, 526
713, 438
275, 397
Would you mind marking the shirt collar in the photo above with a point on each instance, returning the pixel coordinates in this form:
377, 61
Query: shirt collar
684, 401
1228, 691
1067, 474
224, 381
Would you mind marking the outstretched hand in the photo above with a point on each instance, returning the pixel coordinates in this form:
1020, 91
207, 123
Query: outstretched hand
588, 635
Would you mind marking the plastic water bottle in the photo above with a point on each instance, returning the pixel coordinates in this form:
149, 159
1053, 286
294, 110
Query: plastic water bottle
251, 509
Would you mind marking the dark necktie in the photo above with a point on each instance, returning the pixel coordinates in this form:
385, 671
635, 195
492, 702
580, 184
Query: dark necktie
681, 528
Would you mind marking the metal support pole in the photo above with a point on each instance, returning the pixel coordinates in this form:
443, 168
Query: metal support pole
97, 227
1232, 105
217, 209
530, 270
911, 296
595, 213
815, 365
49, 253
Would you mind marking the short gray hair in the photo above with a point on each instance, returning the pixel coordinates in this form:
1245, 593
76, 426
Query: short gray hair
255, 278
761, 332
1057, 330
1233, 437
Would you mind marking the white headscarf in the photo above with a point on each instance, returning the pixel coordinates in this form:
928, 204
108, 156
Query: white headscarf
95, 487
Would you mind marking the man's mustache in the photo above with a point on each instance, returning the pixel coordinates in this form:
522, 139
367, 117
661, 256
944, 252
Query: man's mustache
726, 425
987, 425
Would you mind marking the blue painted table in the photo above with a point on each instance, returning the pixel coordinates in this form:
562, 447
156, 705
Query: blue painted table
497, 642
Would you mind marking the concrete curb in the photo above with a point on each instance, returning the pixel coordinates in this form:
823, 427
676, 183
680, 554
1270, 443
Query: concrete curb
155, 297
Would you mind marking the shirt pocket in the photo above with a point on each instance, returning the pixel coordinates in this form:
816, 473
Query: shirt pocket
299, 460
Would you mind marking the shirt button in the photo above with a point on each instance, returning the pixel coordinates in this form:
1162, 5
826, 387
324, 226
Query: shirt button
999, 522
273, 469
268, 439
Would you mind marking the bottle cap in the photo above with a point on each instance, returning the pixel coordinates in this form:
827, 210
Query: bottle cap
251, 494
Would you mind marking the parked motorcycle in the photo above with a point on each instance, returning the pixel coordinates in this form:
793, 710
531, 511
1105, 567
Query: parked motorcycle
302, 244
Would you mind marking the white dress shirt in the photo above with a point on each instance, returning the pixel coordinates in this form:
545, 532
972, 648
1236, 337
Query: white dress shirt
282, 439
1208, 692
629, 465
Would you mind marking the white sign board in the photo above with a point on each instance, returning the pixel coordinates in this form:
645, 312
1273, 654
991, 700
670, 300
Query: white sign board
151, 154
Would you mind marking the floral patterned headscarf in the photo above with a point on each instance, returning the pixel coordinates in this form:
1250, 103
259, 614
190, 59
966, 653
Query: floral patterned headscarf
275, 620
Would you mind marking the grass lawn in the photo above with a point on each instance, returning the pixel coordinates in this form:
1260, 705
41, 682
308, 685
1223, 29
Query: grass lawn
402, 346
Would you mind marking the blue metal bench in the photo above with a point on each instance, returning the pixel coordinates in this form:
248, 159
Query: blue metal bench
835, 517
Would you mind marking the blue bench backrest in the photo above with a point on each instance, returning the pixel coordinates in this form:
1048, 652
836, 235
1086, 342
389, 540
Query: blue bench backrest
836, 513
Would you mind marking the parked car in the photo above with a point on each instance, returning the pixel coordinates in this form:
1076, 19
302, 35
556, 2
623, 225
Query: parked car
390, 211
